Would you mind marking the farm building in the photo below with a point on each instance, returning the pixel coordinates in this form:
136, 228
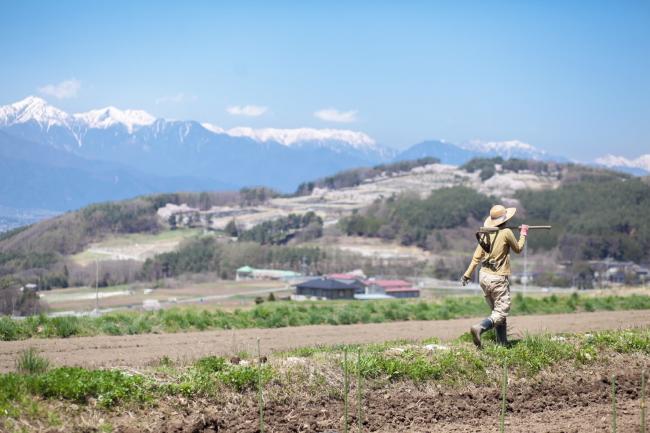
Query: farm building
326, 288
620, 272
350, 279
249, 273
394, 288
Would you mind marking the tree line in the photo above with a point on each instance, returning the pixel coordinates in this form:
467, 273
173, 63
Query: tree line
412, 219
356, 176
208, 254
279, 231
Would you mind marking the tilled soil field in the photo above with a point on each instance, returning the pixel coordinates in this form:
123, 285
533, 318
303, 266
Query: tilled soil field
551, 402
140, 350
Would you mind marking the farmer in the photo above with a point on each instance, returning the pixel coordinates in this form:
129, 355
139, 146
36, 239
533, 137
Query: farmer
495, 272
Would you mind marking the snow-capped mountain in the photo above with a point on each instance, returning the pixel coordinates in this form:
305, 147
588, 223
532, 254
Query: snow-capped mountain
34, 109
507, 149
337, 140
110, 116
279, 158
37, 110
640, 165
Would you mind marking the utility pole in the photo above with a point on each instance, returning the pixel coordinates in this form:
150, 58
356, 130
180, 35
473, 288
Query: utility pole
97, 286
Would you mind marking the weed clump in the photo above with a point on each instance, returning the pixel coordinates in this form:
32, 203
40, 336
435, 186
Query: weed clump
30, 362
65, 327
207, 374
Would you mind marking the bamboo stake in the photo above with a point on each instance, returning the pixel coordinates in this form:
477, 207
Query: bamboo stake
346, 389
504, 393
260, 397
359, 385
643, 430
614, 404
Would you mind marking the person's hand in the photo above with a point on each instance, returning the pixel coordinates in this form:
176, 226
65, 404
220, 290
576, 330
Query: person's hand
524, 230
464, 280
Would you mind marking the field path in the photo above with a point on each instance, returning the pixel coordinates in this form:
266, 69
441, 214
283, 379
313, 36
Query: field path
138, 350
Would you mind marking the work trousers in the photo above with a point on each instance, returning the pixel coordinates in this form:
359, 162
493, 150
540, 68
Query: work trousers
496, 289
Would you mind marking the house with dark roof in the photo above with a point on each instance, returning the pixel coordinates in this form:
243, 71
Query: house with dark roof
350, 279
327, 288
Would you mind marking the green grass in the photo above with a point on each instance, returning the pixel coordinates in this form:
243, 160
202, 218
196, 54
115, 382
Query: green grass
461, 364
282, 314
111, 388
456, 364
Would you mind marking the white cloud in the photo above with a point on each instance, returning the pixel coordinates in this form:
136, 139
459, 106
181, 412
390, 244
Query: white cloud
334, 115
247, 110
63, 90
176, 99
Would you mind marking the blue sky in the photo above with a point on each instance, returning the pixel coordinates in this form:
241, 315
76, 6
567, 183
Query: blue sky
569, 77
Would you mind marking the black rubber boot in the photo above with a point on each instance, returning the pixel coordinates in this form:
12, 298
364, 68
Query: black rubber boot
501, 331
480, 328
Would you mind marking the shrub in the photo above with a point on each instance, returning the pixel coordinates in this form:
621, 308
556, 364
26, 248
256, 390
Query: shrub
9, 329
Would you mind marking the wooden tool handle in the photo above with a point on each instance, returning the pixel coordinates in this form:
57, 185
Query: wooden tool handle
496, 229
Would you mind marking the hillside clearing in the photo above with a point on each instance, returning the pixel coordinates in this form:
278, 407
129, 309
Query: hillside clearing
136, 246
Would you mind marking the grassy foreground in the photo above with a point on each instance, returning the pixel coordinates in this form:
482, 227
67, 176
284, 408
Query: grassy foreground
26, 393
282, 314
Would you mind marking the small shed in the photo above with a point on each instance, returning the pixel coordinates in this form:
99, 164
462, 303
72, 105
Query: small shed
249, 273
394, 288
326, 288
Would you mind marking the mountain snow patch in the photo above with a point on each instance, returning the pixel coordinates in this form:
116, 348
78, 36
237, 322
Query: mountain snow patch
642, 162
106, 117
291, 137
507, 148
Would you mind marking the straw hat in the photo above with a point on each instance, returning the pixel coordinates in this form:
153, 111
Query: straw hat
498, 215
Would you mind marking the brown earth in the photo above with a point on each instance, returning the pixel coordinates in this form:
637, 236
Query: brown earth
140, 350
550, 402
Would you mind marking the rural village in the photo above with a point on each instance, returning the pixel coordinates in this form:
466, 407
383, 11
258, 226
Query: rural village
324, 217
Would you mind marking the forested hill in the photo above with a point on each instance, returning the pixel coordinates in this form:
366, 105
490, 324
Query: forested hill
595, 214
593, 218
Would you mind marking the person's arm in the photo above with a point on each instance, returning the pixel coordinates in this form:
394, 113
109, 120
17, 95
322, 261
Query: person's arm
476, 259
517, 246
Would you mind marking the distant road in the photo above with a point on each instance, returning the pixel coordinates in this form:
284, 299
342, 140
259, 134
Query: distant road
168, 304
139, 350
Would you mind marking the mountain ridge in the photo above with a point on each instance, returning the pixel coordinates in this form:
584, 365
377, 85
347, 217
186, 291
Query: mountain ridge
48, 151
